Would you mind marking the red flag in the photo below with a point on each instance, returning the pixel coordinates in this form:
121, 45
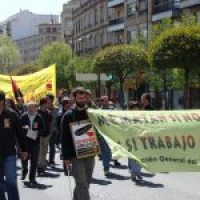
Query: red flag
16, 90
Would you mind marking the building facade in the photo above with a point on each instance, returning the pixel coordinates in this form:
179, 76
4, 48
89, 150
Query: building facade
25, 24
90, 26
30, 47
66, 19
98, 23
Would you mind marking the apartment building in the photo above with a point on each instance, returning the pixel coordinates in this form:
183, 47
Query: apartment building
25, 24
90, 26
107, 22
162, 9
66, 19
30, 47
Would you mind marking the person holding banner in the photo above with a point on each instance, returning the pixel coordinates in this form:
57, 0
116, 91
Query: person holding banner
10, 131
135, 168
74, 127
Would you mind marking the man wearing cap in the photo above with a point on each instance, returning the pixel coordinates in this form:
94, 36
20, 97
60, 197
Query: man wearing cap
10, 130
82, 169
33, 127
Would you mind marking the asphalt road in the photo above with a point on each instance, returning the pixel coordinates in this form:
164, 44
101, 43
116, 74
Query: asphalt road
162, 186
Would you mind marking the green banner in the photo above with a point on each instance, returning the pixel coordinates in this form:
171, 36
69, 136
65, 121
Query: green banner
162, 141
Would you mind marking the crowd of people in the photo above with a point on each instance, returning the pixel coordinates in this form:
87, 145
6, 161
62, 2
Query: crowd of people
36, 128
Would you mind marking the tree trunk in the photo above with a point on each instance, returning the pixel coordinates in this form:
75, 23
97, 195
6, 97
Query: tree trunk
121, 96
165, 99
186, 88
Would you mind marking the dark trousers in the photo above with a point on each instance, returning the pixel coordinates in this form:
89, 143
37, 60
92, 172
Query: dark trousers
106, 154
8, 178
52, 148
33, 151
82, 171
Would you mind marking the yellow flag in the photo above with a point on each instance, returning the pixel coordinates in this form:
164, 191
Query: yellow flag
33, 86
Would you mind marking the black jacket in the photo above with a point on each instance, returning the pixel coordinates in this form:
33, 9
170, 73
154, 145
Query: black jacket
73, 115
38, 125
46, 116
10, 131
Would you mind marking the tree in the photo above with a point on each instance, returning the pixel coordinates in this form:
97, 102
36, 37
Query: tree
78, 65
56, 53
178, 47
25, 69
9, 55
121, 61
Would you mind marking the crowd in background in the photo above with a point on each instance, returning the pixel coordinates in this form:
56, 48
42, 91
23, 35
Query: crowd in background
45, 127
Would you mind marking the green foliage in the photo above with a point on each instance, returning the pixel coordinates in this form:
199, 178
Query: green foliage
25, 69
178, 47
9, 55
56, 53
78, 65
121, 60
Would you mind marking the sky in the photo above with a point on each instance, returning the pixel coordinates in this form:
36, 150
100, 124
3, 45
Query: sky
11, 7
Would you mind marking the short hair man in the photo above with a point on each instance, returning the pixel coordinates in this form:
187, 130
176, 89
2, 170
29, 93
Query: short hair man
82, 168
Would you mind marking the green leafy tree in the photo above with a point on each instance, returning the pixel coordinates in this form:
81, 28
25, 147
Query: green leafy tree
25, 69
9, 54
121, 61
56, 53
178, 47
78, 65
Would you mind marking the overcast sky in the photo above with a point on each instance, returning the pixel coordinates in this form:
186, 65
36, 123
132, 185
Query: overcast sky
11, 7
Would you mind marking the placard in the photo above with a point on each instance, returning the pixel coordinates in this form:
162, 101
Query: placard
85, 139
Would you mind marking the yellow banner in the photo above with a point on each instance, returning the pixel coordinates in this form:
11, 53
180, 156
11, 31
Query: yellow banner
33, 86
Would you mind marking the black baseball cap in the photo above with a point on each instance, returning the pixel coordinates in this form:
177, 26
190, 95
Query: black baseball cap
2, 95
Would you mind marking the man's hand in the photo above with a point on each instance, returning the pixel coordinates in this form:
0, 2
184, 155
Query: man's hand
67, 163
24, 155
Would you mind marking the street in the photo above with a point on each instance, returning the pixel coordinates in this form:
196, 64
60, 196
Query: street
165, 186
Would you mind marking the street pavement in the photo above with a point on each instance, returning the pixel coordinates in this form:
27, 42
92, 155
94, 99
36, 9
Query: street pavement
162, 186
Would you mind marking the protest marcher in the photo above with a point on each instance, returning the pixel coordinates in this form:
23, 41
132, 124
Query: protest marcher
53, 129
106, 154
82, 169
90, 103
10, 131
66, 104
44, 140
135, 168
11, 104
21, 108
33, 127
146, 102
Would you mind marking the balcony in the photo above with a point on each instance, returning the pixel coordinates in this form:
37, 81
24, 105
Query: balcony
114, 3
165, 9
189, 3
116, 24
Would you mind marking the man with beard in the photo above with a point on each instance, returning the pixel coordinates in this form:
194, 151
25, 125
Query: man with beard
82, 169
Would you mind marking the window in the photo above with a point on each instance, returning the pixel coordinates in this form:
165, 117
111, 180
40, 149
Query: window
132, 35
132, 8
